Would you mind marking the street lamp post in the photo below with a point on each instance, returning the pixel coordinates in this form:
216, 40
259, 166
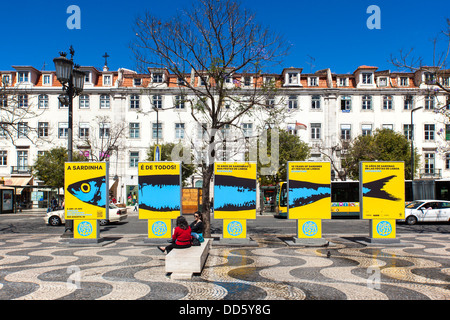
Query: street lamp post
412, 152
72, 81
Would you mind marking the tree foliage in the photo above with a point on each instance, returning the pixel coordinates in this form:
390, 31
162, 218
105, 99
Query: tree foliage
383, 145
290, 148
187, 169
49, 167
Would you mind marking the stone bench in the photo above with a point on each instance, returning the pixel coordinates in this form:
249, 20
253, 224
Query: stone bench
183, 263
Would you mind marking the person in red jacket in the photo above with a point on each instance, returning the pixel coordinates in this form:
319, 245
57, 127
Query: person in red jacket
181, 237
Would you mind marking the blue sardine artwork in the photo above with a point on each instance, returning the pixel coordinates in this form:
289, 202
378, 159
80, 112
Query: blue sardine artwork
91, 191
234, 194
302, 193
374, 189
159, 193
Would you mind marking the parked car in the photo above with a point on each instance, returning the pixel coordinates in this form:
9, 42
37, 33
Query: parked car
116, 214
426, 211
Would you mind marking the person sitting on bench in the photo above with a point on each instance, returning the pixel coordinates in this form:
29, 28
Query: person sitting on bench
181, 237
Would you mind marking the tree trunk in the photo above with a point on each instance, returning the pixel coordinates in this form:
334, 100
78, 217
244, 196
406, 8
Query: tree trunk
208, 171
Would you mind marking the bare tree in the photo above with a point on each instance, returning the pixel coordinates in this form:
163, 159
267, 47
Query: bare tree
102, 143
17, 109
205, 47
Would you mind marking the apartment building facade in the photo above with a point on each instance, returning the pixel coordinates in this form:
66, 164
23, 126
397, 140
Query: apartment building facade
135, 111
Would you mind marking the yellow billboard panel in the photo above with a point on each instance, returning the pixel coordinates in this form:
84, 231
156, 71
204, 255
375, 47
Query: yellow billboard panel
235, 229
159, 189
86, 190
309, 190
382, 190
235, 190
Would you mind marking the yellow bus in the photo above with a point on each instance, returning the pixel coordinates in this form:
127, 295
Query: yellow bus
344, 199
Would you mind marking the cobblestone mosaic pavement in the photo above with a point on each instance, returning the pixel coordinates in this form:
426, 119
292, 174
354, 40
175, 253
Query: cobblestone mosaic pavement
42, 267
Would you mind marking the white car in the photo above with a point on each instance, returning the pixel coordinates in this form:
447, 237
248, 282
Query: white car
426, 211
116, 214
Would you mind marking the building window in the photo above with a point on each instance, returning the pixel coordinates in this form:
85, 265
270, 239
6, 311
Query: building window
270, 102
179, 130
134, 130
42, 129
366, 129
43, 101
3, 100
343, 82
157, 101
23, 101
3, 158
46, 79
429, 163
157, 130
134, 101
447, 161
22, 160
83, 130
107, 80
292, 102
313, 81
104, 131
387, 102
22, 129
429, 132
346, 131
387, 126
407, 131
84, 101
404, 81
366, 103
366, 78
137, 81
63, 130
247, 129
104, 101
447, 132
382, 82
429, 102
315, 131
247, 81
346, 103
179, 102
157, 77
293, 78
61, 99
3, 130
408, 102
6, 79
315, 102
134, 159
87, 77
24, 76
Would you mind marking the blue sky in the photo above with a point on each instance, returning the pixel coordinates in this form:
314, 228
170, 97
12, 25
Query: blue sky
334, 33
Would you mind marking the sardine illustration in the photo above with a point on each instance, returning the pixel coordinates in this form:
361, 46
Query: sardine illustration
302, 193
234, 194
92, 191
374, 189
159, 193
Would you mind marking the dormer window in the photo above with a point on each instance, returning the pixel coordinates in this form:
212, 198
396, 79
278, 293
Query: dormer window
382, 82
366, 78
46, 79
404, 81
247, 81
313, 81
293, 78
137, 81
6, 80
24, 76
87, 77
107, 80
157, 77
343, 82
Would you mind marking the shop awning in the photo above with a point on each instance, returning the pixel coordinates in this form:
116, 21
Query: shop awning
17, 182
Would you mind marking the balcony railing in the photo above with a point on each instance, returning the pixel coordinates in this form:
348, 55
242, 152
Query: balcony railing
21, 169
430, 173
